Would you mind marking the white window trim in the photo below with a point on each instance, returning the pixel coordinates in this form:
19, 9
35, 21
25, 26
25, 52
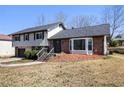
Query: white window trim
86, 45
36, 35
25, 37
105, 45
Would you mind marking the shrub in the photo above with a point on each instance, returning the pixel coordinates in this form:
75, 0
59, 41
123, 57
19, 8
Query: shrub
114, 43
27, 54
31, 54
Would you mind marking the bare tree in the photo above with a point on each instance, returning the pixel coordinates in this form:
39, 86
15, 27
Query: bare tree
82, 21
41, 20
60, 17
114, 15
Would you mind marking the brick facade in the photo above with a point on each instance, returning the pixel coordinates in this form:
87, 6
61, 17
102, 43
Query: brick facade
50, 44
98, 45
65, 45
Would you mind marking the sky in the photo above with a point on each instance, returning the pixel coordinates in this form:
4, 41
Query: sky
15, 18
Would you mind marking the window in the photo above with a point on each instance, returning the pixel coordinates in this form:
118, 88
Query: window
89, 44
79, 44
39, 36
17, 38
26, 37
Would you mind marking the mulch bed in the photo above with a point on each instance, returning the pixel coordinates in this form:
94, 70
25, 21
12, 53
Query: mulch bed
73, 57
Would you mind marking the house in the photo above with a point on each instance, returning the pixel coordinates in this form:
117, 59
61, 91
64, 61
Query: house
6, 49
85, 40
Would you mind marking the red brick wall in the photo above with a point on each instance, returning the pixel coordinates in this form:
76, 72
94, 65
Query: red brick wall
98, 45
65, 45
50, 44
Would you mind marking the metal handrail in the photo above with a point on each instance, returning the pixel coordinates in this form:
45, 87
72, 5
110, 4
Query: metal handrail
42, 54
52, 50
50, 53
40, 51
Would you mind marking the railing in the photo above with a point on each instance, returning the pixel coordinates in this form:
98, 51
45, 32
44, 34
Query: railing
50, 53
41, 53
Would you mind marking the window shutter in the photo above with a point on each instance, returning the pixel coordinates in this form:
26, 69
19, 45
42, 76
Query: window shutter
24, 37
19, 37
42, 35
28, 37
34, 36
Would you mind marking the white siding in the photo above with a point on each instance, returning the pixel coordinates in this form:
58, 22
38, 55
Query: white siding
54, 31
6, 49
31, 42
37, 42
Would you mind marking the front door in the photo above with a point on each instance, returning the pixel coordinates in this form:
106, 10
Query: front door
57, 46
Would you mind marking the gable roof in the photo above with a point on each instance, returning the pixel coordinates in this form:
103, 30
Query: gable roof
5, 37
39, 28
98, 30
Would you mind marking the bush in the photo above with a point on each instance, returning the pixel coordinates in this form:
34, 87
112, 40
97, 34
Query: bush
27, 54
31, 54
114, 43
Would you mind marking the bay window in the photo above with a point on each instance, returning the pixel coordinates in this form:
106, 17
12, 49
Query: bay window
89, 44
79, 44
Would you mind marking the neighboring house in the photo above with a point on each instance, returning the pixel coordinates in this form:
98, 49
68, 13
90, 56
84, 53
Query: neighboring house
120, 38
86, 40
6, 49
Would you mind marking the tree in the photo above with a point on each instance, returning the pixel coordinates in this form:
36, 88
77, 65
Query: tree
41, 20
114, 15
60, 17
82, 21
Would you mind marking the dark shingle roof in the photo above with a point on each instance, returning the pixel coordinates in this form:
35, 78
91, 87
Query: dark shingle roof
38, 28
97, 30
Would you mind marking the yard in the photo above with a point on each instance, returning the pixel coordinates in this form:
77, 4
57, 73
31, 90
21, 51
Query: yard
108, 71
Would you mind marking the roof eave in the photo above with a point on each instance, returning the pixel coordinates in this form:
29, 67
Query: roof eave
27, 32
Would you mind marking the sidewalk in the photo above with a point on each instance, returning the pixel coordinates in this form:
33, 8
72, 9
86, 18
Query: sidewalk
21, 64
9, 59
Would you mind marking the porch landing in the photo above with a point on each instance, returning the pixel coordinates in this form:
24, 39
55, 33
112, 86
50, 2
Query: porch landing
73, 57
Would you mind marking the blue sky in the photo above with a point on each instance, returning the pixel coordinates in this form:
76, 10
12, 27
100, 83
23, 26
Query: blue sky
15, 18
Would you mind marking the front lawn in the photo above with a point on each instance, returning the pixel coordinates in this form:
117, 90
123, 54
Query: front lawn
101, 72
